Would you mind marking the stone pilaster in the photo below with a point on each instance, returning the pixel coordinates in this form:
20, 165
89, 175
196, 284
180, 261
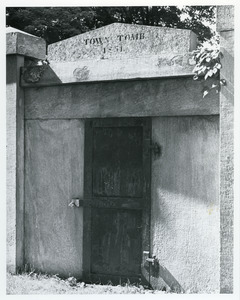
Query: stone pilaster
19, 46
225, 27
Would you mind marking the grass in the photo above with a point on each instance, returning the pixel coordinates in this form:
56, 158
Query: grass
32, 283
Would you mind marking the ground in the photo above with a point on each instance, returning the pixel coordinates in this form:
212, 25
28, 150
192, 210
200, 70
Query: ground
32, 283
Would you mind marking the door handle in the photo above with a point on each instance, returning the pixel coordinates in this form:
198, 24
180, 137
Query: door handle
74, 203
149, 259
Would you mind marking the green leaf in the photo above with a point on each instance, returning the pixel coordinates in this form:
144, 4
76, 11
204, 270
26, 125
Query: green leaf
205, 94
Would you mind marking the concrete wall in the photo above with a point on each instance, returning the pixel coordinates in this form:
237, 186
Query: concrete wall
53, 176
185, 204
155, 97
225, 26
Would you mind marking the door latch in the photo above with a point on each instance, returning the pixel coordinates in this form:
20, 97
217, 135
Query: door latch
74, 203
149, 259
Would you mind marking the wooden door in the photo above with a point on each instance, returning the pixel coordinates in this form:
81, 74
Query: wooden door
116, 200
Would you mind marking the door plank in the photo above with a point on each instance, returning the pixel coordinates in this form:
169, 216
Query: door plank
116, 240
146, 215
117, 161
87, 195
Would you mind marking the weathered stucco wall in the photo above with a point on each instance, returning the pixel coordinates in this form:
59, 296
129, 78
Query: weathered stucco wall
54, 175
185, 203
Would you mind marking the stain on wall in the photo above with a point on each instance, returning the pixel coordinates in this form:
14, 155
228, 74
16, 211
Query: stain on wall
185, 204
54, 175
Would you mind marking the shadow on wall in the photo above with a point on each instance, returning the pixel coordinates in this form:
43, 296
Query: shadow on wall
188, 164
159, 271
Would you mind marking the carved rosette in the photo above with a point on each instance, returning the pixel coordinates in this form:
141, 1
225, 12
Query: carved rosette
33, 74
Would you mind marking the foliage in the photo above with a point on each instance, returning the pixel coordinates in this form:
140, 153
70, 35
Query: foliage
196, 19
208, 63
51, 23
58, 23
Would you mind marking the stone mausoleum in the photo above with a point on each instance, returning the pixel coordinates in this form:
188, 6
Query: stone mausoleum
118, 168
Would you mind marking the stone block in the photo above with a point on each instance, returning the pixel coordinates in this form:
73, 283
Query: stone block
123, 40
225, 17
22, 43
